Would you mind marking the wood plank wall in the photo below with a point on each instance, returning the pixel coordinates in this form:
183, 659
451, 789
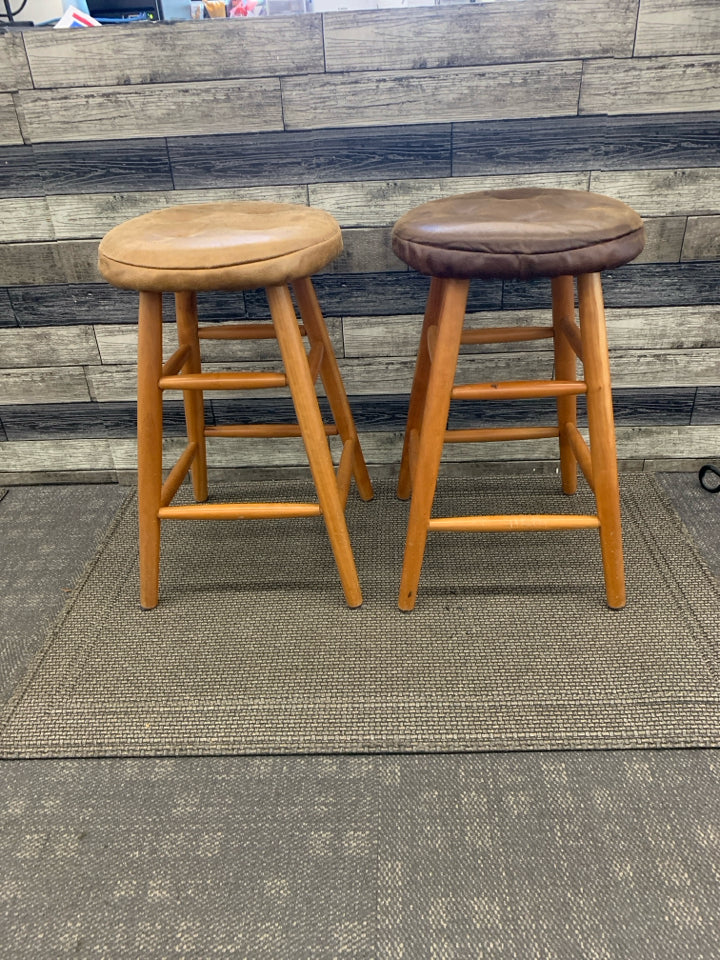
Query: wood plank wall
365, 114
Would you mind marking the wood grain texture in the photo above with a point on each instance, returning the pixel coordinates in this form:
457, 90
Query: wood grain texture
79, 216
664, 240
28, 263
15, 73
586, 143
702, 239
103, 166
667, 27
73, 304
660, 193
484, 33
79, 261
46, 421
25, 218
176, 52
381, 203
707, 407
42, 347
366, 250
118, 382
51, 384
656, 368
7, 314
9, 123
49, 456
426, 96
19, 176
368, 153
169, 109
653, 85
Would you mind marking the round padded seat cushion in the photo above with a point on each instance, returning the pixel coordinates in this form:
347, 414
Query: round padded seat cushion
219, 246
518, 234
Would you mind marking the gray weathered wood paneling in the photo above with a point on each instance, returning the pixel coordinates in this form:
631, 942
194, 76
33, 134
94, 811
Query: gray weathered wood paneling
422, 96
702, 239
637, 368
19, 175
15, 74
7, 314
103, 166
662, 193
57, 347
653, 85
380, 203
28, 263
9, 124
153, 110
182, 52
64, 304
667, 27
79, 261
79, 216
50, 456
664, 240
25, 219
366, 250
707, 407
47, 384
479, 34
53, 421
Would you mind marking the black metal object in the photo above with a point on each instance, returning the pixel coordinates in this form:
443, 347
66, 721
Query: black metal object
709, 477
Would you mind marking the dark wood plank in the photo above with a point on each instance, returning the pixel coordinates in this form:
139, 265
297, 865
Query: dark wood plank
15, 74
653, 85
19, 176
297, 157
377, 294
586, 143
56, 421
499, 32
667, 27
104, 166
366, 250
161, 109
7, 314
3, 434
644, 285
707, 406
176, 52
432, 96
30, 263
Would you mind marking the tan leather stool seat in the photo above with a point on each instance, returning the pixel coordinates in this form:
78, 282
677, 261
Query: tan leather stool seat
518, 234
231, 245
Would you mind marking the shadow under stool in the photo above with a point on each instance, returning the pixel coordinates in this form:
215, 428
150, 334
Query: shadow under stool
520, 234
234, 246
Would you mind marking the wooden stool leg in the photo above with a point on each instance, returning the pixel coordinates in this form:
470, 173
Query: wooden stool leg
602, 434
453, 299
419, 387
150, 429
313, 433
187, 327
332, 381
563, 303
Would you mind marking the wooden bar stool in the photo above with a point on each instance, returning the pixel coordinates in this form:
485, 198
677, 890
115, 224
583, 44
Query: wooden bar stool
516, 235
234, 246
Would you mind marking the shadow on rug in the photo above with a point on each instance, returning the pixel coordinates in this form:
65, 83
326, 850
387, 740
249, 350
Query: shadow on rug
252, 650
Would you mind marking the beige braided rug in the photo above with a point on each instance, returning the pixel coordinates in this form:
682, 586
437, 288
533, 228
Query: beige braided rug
252, 650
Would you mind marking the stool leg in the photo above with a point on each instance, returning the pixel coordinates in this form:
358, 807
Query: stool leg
602, 434
332, 380
187, 326
563, 303
452, 296
313, 433
419, 386
150, 429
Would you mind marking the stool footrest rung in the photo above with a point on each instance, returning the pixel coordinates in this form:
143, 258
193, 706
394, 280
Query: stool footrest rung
490, 434
505, 334
223, 381
273, 430
175, 362
240, 331
239, 511
518, 389
505, 523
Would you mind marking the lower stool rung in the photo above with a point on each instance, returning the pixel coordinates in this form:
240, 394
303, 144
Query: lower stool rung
505, 523
275, 430
239, 511
489, 434
223, 381
518, 389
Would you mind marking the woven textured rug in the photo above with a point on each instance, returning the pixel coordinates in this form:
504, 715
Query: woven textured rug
252, 650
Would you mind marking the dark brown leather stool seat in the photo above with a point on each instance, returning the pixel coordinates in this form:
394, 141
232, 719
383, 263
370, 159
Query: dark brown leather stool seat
516, 235
234, 246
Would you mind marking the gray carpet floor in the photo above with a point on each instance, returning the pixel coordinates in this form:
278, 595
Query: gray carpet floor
557, 855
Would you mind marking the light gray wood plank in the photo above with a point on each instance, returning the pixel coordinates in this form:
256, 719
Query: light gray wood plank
48, 347
427, 96
654, 85
154, 110
660, 193
48, 456
15, 73
664, 240
667, 27
116, 382
25, 218
43, 384
77, 216
668, 368
502, 32
668, 441
225, 452
178, 52
663, 328
79, 260
30, 263
9, 124
702, 239
380, 203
